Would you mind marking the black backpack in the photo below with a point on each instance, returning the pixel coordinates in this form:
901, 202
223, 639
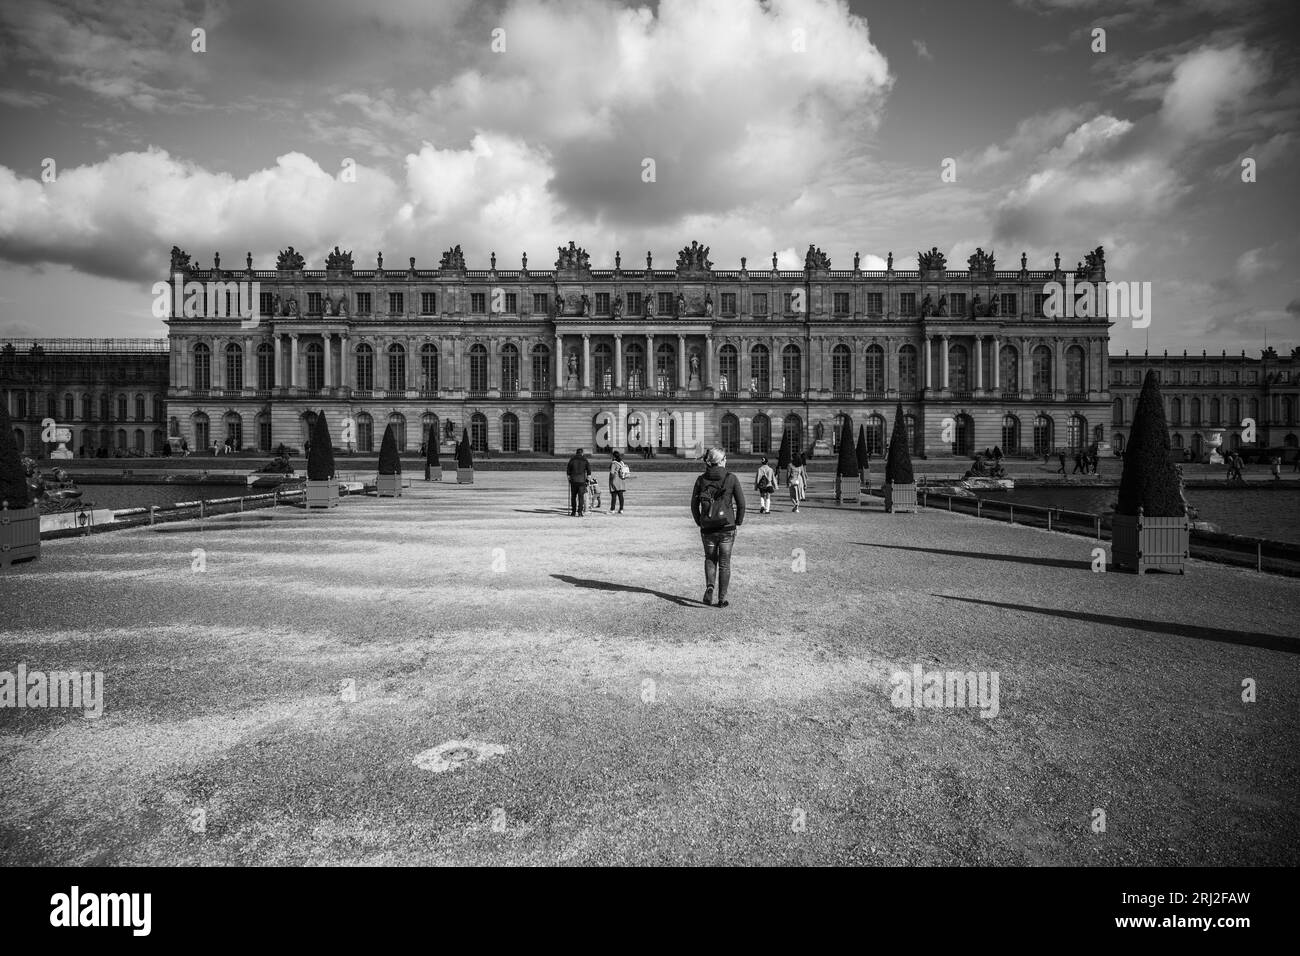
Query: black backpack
713, 504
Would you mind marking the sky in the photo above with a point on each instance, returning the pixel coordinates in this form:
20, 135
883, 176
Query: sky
409, 126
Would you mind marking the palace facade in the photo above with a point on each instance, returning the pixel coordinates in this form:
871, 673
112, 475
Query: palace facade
1212, 395
549, 360
110, 392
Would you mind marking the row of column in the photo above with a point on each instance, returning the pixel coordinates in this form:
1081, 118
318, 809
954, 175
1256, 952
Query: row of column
683, 377
979, 363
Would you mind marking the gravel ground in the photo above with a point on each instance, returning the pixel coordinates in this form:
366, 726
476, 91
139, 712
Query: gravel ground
638, 725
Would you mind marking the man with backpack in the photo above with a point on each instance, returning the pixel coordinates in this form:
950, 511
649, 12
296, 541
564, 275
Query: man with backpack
578, 470
765, 484
718, 507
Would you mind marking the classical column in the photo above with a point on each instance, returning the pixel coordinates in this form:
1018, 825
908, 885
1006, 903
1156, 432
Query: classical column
345, 362
559, 362
708, 362
250, 364
996, 359
649, 372
1026, 367
329, 359
943, 378
681, 361
586, 360
979, 362
293, 359
279, 361
618, 360
929, 364
412, 365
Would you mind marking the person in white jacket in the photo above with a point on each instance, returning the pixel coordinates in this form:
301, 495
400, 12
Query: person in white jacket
765, 484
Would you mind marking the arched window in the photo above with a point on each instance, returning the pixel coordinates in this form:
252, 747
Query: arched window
315, 366
792, 370
87, 442
199, 424
103, 409
603, 367
634, 366
875, 368
728, 370
1175, 411
665, 367
428, 368
958, 368
87, 407
121, 408
263, 431
20, 440
202, 368
1042, 361
1009, 370
159, 409
69, 407
365, 432
1042, 435
51, 405
915, 437
1215, 412
478, 439
1195, 417
1288, 410
428, 431
137, 441
509, 432
157, 442
365, 368
396, 368
1197, 445
307, 421
265, 366
1117, 441
234, 430
510, 378
139, 408
1117, 412
842, 371
964, 435
541, 433
541, 371
760, 431
793, 426
907, 369
398, 422
760, 370
1253, 406
1176, 441
234, 366
1075, 370
1234, 412
730, 433
1078, 437
1010, 434
874, 433
478, 372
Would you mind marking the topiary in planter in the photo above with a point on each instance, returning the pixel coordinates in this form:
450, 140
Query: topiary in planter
860, 452
322, 489
847, 466
464, 460
783, 455
1150, 528
389, 483
432, 464
20, 520
900, 483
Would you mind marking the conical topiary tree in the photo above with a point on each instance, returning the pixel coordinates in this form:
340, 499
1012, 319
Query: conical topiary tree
320, 463
783, 455
13, 479
464, 456
898, 466
861, 450
431, 458
1150, 480
847, 466
389, 462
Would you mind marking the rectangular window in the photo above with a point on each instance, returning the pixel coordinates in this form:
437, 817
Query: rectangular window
395, 306
634, 303
427, 301
1236, 377
1007, 304
265, 303
957, 303
478, 302
787, 303
665, 303
907, 303
841, 303
540, 305
1175, 377
760, 303
1195, 376
602, 303
1252, 378
728, 303
363, 303
314, 303
875, 303
1214, 376
1039, 299
1117, 377
512, 303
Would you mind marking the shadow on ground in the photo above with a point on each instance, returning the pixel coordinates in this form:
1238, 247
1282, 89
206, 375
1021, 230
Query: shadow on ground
986, 556
629, 588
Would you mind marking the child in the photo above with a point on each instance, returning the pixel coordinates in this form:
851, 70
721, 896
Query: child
593, 493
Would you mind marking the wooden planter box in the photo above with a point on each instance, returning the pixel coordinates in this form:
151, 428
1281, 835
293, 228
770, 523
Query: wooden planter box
433, 474
1143, 543
322, 494
388, 486
20, 535
900, 497
464, 476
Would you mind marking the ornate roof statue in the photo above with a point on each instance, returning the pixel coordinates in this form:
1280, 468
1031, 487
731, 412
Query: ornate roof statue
981, 262
290, 259
453, 258
1093, 263
932, 260
694, 258
339, 260
943, 305
927, 306
572, 259
180, 260
815, 259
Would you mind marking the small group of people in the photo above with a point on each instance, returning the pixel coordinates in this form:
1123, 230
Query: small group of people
583, 487
1086, 461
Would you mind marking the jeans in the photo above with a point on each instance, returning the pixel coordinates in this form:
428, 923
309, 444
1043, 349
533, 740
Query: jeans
717, 559
615, 498
577, 497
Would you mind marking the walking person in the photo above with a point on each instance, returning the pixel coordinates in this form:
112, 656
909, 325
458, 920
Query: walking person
718, 507
796, 476
1061, 470
1276, 462
619, 473
578, 471
765, 484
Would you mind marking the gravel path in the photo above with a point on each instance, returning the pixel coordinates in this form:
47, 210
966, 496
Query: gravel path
639, 726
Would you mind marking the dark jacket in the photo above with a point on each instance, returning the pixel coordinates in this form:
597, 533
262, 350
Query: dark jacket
733, 498
578, 470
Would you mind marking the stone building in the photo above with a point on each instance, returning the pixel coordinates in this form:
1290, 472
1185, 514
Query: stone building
546, 360
1212, 395
110, 392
